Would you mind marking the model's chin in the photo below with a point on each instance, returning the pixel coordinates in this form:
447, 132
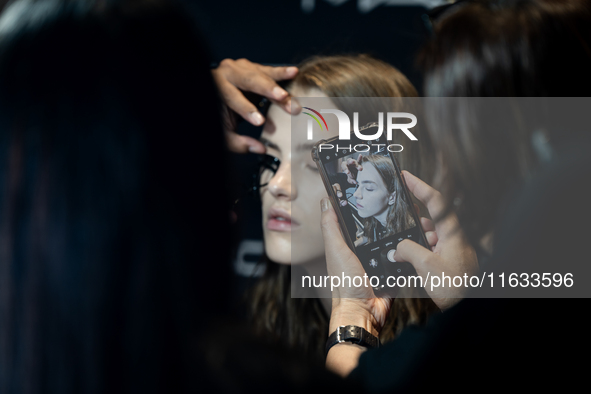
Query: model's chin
363, 215
298, 248
278, 257
279, 250
278, 247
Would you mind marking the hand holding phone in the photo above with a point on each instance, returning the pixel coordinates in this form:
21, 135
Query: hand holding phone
336, 187
339, 258
451, 252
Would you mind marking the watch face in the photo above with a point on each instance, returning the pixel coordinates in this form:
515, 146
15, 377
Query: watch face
352, 332
353, 335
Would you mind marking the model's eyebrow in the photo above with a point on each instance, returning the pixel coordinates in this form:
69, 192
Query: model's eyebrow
368, 181
269, 144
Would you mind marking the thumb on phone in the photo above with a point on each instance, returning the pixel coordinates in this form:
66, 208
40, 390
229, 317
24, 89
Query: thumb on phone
411, 252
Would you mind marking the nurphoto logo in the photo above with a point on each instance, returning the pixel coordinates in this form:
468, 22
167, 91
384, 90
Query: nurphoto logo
345, 128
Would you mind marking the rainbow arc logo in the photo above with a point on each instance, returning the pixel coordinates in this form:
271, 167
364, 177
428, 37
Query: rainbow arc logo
316, 119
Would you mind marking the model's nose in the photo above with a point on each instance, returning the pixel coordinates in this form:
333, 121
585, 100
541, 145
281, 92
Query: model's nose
280, 186
358, 195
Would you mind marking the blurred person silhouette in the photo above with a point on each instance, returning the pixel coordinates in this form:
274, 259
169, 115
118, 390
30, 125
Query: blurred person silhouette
103, 238
502, 188
114, 264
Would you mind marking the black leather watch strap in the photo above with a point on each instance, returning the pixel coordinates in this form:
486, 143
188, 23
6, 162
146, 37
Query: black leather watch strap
354, 334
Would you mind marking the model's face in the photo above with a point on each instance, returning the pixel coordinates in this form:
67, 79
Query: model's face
372, 195
291, 200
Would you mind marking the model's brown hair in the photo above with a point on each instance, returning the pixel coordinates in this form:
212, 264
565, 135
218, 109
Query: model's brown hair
302, 323
365, 76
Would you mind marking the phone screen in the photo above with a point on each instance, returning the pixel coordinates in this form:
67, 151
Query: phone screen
374, 206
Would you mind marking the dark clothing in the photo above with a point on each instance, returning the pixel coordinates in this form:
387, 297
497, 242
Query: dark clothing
503, 343
380, 232
235, 361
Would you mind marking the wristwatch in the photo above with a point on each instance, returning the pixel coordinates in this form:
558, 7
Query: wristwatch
354, 334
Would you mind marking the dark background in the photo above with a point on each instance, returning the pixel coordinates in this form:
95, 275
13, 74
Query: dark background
283, 32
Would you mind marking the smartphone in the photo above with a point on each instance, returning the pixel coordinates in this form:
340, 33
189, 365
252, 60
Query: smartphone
371, 199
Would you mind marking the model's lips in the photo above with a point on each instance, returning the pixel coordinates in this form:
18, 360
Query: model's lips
359, 206
280, 220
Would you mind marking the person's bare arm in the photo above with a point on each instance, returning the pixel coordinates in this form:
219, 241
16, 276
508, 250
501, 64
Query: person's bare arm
343, 358
356, 306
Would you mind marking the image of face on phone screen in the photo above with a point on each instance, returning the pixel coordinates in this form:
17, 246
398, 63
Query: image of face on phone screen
371, 194
374, 208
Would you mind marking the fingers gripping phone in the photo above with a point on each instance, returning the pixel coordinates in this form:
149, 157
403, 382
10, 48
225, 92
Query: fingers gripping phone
373, 204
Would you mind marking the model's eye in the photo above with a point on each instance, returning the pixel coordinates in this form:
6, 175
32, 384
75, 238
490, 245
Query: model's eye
268, 166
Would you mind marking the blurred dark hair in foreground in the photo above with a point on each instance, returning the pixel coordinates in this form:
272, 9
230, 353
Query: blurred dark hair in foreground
107, 114
502, 48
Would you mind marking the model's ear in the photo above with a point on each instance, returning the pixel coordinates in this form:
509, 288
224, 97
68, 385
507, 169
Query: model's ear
392, 199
